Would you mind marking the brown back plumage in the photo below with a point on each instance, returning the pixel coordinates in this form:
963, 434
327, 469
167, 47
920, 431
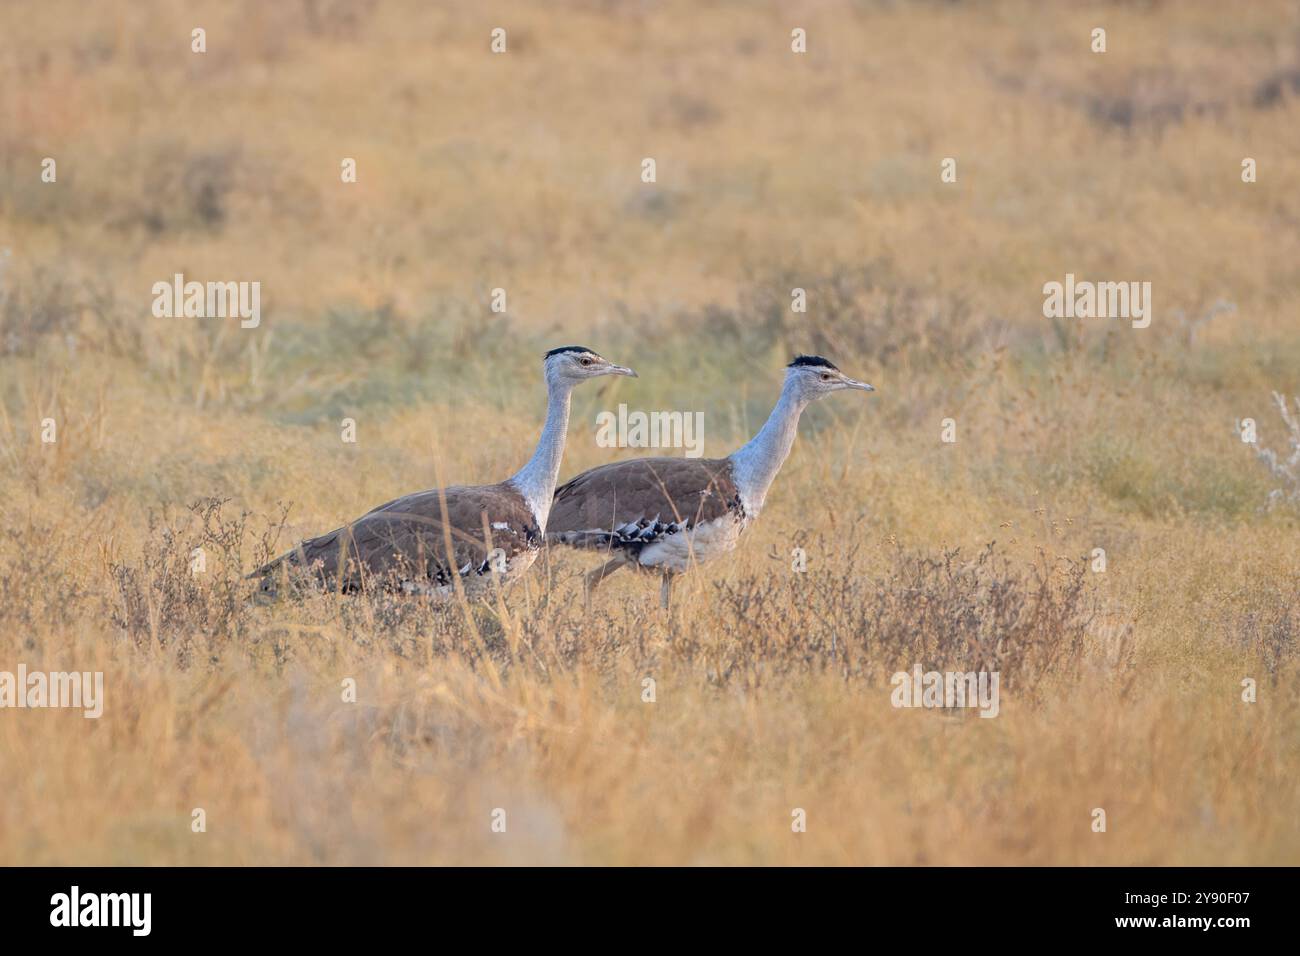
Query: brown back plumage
628, 504
405, 540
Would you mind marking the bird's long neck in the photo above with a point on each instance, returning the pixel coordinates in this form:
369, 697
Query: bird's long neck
536, 480
755, 465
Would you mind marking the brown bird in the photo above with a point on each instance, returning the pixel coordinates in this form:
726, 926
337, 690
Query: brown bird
417, 543
666, 514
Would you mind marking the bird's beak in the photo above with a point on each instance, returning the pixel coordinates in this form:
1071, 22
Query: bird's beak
854, 383
620, 370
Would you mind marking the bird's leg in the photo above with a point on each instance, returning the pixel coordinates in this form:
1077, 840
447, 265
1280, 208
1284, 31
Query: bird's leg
665, 591
593, 578
609, 567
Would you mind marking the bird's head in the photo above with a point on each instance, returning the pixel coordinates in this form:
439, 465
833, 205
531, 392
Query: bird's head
813, 377
571, 364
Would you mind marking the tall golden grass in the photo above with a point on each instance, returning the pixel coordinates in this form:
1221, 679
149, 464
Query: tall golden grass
1122, 689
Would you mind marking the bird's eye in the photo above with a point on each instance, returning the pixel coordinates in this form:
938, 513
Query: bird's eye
585, 361
826, 376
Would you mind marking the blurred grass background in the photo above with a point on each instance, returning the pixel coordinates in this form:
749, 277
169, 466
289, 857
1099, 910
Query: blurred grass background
775, 170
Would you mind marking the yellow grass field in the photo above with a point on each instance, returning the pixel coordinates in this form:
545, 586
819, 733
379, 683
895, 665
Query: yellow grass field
128, 441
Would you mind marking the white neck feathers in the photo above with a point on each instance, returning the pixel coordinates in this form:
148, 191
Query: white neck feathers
536, 480
755, 465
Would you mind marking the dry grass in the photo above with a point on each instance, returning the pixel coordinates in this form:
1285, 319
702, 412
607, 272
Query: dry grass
1122, 690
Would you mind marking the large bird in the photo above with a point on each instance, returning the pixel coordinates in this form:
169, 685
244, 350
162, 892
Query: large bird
667, 514
417, 544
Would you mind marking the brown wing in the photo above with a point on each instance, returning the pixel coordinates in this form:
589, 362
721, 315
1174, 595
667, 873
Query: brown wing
629, 504
406, 540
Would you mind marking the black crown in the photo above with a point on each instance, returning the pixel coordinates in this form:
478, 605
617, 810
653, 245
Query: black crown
569, 348
816, 360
